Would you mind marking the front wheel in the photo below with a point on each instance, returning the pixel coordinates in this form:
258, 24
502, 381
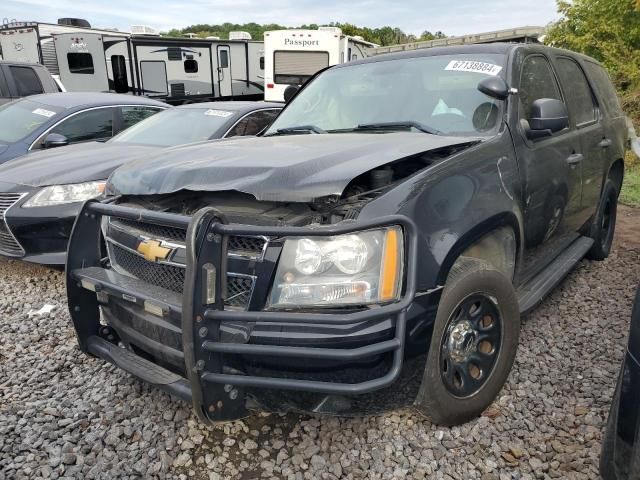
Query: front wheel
604, 223
473, 346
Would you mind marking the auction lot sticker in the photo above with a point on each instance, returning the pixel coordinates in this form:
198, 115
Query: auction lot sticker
218, 113
475, 67
43, 112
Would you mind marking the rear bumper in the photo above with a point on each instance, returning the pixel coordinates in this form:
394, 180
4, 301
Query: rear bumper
214, 355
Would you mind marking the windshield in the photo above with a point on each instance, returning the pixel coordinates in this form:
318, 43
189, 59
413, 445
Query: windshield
436, 94
22, 117
175, 126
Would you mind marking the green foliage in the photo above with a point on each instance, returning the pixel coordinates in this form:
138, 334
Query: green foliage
381, 36
609, 31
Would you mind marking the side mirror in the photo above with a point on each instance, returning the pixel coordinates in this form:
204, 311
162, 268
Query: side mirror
547, 117
495, 87
55, 140
290, 92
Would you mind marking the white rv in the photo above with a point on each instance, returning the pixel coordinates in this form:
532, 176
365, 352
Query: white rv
291, 57
177, 70
33, 41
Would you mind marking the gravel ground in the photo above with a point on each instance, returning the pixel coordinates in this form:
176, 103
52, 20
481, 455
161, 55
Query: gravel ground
63, 414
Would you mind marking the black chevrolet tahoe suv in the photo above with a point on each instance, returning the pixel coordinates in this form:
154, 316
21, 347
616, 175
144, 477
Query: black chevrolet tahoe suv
388, 230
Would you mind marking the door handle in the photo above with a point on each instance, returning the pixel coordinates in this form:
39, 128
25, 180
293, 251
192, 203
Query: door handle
575, 159
605, 143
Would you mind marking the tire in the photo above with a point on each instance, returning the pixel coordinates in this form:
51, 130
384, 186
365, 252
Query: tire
604, 224
455, 390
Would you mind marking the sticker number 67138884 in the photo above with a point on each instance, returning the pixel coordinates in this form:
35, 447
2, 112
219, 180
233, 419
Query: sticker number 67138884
472, 66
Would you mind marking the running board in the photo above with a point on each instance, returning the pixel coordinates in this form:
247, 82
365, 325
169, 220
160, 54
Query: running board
533, 292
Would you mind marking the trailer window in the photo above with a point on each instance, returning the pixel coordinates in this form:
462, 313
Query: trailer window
261, 63
190, 66
80, 63
26, 80
119, 69
295, 68
224, 59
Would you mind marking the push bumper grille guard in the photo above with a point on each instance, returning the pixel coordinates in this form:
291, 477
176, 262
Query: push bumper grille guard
215, 392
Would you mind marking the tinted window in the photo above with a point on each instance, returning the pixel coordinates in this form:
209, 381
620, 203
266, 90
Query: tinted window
536, 81
261, 63
224, 59
577, 91
26, 80
80, 63
190, 66
604, 89
20, 118
253, 123
132, 115
89, 125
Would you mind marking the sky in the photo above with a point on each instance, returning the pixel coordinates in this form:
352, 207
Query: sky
453, 17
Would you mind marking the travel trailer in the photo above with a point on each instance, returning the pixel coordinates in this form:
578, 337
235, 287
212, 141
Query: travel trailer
291, 57
176, 70
33, 41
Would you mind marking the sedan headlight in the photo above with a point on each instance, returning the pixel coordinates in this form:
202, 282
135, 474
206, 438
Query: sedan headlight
61, 194
356, 269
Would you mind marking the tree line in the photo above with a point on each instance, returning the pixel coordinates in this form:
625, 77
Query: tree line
381, 36
609, 31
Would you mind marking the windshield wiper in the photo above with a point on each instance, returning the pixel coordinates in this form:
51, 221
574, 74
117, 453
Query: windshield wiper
298, 129
397, 126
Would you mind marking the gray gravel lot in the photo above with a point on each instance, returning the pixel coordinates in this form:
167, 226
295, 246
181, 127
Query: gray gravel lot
64, 415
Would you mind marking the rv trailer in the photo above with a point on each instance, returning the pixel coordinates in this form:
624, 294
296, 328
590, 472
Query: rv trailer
176, 70
291, 57
33, 41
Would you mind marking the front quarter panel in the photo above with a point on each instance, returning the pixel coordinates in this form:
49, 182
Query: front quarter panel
455, 203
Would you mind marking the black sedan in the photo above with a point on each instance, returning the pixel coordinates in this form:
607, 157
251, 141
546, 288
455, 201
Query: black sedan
55, 119
620, 458
41, 193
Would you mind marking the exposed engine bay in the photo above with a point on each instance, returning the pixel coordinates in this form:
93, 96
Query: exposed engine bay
243, 208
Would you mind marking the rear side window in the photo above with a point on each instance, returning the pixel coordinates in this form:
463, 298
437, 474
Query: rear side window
88, 125
604, 89
536, 81
80, 63
132, 115
253, 123
26, 80
577, 91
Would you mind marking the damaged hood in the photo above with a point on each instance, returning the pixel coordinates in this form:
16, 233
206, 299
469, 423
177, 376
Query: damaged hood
82, 162
295, 168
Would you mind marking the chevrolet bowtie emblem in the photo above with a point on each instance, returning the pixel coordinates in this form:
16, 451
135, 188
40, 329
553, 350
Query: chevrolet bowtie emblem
152, 251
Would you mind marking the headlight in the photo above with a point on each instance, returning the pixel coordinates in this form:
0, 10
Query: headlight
355, 269
60, 194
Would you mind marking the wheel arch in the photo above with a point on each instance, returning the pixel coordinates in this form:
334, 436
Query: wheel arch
482, 242
616, 173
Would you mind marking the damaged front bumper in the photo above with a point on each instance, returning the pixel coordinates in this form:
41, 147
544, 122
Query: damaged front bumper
189, 344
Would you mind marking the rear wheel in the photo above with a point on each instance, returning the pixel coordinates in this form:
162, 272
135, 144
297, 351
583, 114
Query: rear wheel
604, 223
474, 342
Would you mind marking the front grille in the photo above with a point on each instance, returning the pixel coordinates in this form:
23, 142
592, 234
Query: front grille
8, 243
251, 247
165, 276
239, 288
